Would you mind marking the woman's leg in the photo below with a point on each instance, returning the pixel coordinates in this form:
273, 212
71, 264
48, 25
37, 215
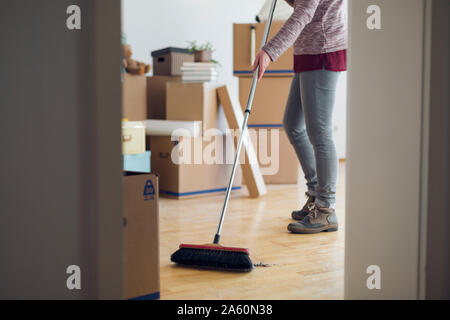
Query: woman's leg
317, 91
294, 126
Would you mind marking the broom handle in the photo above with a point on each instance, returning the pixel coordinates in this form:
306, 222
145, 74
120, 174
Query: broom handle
248, 109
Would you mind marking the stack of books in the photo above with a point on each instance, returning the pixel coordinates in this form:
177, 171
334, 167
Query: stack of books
198, 72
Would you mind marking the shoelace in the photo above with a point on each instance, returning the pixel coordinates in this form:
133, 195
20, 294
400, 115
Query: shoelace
312, 210
309, 200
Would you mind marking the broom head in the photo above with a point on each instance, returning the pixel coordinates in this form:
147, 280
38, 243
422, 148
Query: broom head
213, 256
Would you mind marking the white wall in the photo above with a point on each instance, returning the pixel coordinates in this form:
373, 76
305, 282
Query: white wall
153, 24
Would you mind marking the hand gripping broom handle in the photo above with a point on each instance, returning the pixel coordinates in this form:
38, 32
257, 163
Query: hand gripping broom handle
244, 125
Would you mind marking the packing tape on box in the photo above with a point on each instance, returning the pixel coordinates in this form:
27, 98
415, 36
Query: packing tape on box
175, 128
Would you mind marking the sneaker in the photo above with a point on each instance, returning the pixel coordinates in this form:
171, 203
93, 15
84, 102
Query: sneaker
300, 214
317, 220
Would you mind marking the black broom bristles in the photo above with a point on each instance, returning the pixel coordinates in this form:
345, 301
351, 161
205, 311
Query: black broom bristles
212, 258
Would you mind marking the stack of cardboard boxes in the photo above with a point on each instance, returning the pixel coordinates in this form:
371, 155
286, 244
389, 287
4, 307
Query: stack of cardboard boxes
270, 96
173, 100
140, 215
166, 68
140, 195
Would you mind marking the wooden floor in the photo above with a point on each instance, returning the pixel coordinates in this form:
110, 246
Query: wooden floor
301, 266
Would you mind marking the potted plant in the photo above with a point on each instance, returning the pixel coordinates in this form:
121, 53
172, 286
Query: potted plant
203, 52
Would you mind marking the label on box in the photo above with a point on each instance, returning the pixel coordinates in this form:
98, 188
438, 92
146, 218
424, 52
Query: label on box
149, 190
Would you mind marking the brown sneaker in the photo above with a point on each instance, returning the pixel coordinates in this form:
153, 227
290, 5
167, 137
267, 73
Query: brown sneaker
317, 220
300, 214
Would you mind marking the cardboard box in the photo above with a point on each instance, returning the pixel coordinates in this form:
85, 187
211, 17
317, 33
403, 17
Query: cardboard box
189, 180
243, 55
141, 236
134, 97
281, 156
168, 61
156, 96
137, 162
250, 166
193, 102
269, 101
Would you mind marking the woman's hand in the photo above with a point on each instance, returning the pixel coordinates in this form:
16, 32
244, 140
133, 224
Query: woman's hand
262, 59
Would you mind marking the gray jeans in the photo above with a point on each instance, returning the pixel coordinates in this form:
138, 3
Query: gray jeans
308, 122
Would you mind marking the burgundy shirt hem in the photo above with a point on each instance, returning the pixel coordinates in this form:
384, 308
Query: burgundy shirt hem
332, 61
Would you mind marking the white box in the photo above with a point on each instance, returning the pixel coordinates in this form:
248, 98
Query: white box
133, 137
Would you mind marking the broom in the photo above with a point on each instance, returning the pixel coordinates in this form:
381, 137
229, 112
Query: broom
215, 256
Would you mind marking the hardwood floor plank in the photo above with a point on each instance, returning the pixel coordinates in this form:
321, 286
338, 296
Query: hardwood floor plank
301, 266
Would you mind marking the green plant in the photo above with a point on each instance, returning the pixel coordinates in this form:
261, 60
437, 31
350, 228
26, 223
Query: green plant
216, 62
193, 46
